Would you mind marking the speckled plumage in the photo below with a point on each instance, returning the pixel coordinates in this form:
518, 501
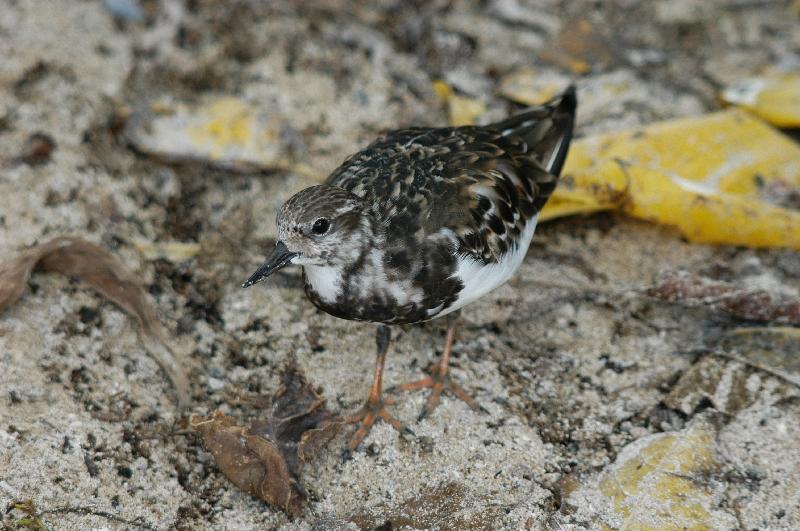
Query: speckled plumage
429, 196
420, 223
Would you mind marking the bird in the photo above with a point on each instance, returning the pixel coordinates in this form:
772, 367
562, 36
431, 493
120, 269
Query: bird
417, 225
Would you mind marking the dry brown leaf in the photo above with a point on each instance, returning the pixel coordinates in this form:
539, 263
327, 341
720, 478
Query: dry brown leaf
774, 350
251, 462
265, 460
724, 384
726, 378
447, 506
87, 262
752, 304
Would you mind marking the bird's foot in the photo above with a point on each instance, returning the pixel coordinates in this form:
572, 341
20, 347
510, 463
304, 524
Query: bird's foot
370, 412
438, 383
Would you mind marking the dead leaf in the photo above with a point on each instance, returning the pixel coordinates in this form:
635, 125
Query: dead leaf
225, 132
87, 262
655, 481
461, 110
447, 506
251, 462
774, 350
712, 177
773, 97
751, 304
730, 380
265, 460
723, 383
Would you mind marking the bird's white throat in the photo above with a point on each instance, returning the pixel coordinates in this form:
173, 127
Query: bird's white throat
326, 281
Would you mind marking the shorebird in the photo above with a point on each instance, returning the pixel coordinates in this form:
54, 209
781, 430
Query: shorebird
420, 223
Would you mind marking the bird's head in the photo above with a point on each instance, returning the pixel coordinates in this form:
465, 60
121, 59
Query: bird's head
318, 226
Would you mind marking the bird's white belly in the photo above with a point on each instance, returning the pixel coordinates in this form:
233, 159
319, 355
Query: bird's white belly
479, 279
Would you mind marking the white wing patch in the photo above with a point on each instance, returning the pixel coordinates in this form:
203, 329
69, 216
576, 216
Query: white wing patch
479, 279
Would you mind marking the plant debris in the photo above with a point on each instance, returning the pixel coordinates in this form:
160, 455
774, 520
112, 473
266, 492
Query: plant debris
720, 383
31, 520
774, 98
655, 482
225, 132
706, 176
751, 304
87, 262
461, 110
774, 350
37, 151
446, 506
731, 378
174, 252
265, 459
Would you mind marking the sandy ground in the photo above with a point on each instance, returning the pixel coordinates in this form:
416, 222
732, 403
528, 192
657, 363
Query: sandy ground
582, 376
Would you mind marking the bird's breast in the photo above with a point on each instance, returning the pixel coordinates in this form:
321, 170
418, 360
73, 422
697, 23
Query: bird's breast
364, 292
324, 282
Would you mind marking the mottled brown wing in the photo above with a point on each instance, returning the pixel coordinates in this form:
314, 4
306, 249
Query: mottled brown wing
481, 183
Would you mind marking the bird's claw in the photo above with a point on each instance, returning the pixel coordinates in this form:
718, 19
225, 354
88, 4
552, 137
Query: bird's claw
438, 384
374, 409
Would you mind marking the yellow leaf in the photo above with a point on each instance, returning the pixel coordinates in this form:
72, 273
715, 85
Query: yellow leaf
651, 485
228, 124
775, 98
223, 131
460, 109
464, 111
174, 252
705, 176
528, 87
442, 89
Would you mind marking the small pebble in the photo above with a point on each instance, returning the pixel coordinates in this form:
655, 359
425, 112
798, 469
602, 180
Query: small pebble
215, 384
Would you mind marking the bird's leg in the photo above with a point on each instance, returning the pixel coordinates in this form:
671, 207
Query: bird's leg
439, 381
375, 407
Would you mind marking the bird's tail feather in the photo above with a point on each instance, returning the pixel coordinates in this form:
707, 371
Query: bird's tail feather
547, 129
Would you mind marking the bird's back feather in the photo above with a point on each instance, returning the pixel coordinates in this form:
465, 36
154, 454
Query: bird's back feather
481, 183
453, 210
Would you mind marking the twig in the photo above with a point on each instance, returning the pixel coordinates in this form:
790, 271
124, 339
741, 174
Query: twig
88, 511
793, 380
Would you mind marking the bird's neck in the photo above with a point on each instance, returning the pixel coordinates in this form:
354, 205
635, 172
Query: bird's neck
327, 281
324, 281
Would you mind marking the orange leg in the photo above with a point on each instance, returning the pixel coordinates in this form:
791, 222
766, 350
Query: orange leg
439, 381
375, 407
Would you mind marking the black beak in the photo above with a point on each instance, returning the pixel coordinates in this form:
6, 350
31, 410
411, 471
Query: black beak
280, 258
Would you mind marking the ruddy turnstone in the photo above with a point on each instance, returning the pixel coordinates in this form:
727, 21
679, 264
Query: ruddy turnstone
419, 224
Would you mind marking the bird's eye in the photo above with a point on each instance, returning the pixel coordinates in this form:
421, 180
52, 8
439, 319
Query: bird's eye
320, 226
